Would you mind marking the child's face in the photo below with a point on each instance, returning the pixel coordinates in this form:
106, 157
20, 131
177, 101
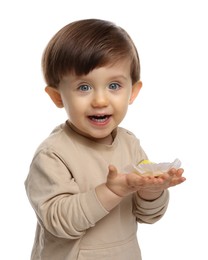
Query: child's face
96, 103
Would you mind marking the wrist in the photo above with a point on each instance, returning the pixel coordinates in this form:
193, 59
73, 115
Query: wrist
149, 195
107, 197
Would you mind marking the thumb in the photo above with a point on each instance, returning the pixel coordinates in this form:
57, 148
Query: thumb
112, 171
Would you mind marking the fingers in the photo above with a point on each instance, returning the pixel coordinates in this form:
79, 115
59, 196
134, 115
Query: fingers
175, 177
172, 172
112, 171
178, 172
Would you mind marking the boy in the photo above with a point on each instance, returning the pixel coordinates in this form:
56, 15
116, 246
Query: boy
86, 206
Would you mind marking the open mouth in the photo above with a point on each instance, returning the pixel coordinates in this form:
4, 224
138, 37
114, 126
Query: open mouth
99, 118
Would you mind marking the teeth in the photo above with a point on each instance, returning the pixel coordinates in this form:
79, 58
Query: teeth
99, 118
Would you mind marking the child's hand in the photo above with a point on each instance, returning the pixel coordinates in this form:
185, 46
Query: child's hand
148, 187
172, 178
119, 185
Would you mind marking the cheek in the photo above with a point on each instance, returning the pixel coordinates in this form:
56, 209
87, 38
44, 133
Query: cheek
123, 101
76, 109
122, 106
68, 106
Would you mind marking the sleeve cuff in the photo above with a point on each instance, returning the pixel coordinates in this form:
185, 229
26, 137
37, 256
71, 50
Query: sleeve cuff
161, 201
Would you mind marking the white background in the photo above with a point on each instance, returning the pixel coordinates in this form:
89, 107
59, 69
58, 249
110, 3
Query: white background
169, 116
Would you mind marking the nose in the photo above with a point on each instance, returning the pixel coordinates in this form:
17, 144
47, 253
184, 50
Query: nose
100, 99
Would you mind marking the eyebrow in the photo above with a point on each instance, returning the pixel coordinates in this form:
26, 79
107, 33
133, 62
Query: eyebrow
119, 77
112, 77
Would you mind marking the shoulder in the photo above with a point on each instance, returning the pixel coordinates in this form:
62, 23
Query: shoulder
128, 137
56, 142
125, 133
132, 143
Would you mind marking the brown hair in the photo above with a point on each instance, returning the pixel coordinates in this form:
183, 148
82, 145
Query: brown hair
84, 45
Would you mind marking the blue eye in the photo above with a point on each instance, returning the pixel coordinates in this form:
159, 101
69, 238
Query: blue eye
84, 88
114, 86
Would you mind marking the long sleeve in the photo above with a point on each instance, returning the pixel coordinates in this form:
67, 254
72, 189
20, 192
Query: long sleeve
150, 211
56, 198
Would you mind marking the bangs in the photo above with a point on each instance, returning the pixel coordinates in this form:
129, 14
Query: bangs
85, 45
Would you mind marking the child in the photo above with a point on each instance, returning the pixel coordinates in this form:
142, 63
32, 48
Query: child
86, 206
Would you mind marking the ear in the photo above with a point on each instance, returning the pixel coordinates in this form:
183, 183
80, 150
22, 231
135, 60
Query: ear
55, 96
135, 91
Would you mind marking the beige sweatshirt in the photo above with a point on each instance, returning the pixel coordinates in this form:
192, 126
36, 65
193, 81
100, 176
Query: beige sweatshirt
72, 224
